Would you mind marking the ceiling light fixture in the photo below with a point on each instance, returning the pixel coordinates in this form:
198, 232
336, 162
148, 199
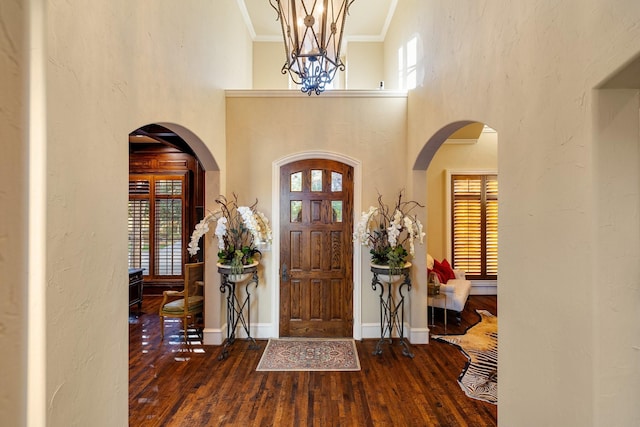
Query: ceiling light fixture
312, 32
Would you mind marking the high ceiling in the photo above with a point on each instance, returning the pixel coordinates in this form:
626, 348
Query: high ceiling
368, 20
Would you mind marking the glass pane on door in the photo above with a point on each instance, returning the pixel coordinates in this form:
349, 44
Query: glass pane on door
336, 181
316, 180
336, 207
296, 181
296, 211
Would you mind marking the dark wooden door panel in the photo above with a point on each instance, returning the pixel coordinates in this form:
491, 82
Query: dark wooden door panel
316, 204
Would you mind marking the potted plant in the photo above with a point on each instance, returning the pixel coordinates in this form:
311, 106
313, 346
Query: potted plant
390, 232
240, 230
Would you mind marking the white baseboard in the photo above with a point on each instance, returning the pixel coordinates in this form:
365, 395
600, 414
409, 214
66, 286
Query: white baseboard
259, 331
419, 336
211, 336
415, 335
484, 287
265, 331
370, 330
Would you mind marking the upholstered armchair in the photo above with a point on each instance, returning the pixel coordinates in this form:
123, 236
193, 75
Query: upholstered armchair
186, 303
454, 285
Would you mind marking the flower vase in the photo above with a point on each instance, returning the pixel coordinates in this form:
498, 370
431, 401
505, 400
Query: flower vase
233, 275
385, 274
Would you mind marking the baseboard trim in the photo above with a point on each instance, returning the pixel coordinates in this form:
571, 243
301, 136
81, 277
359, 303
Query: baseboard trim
483, 290
372, 331
419, 336
484, 287
211, 336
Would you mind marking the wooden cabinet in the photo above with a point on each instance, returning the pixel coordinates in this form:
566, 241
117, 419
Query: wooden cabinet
135, 287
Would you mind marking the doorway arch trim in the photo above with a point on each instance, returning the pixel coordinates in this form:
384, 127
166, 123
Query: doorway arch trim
357, 251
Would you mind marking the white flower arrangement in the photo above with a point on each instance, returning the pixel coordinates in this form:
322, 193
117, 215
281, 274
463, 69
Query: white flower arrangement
239, 230
386, 231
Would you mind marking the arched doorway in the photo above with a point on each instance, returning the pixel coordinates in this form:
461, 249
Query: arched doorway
461, 163
166, 200
187, 155
356, 249
316, 249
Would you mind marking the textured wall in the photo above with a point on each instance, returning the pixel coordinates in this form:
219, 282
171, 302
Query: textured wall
13, 212
368, 129
528, 70
114, 66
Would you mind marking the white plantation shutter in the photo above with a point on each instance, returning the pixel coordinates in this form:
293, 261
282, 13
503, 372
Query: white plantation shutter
475, 224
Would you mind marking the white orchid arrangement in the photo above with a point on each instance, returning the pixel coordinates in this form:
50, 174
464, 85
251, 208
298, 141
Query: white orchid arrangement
239, 230
386, 232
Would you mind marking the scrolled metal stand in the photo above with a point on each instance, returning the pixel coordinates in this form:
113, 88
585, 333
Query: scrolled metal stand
391, 313
236, 307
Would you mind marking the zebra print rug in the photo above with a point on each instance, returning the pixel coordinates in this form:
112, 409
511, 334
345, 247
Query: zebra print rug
479, 378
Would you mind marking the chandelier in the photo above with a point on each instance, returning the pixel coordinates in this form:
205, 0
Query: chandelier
312, 32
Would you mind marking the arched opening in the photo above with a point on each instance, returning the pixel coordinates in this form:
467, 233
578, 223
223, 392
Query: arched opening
462, 202
461, 165
460, 185
166, 200
172, 151
356, 257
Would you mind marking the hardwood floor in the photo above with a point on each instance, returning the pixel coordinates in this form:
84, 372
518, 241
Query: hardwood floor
175, 384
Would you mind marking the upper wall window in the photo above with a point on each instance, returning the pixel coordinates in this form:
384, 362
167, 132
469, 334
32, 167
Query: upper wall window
408, 65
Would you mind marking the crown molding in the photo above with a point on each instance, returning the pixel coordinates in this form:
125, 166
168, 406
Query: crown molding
296, 93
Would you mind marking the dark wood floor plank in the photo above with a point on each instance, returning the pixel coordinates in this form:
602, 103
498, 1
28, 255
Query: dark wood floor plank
176, 384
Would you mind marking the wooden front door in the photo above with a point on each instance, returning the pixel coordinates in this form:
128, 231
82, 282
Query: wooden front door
316, 249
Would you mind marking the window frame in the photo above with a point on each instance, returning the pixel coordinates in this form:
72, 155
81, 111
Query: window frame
449, 214
152, 197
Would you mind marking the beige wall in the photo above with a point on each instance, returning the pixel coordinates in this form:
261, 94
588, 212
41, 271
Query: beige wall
268, 58
482, 155
365, 68
363, 60
533, 83
370, 129
13, 212
113, 66
616, 306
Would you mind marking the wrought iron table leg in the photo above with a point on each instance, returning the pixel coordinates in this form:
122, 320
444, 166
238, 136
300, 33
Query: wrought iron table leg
391, 314
235, 314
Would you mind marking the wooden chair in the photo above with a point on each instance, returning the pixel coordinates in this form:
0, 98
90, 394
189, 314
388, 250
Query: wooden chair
173, 302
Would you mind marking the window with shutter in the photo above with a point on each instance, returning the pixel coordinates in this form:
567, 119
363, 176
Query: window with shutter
474, 230
156, 224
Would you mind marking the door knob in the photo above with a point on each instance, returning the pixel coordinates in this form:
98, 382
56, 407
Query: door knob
285, 275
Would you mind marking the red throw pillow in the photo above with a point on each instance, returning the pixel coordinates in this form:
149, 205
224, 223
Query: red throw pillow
447, 270
440, 271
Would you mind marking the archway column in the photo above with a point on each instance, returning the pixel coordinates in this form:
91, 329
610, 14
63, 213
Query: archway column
213, 333
419, 329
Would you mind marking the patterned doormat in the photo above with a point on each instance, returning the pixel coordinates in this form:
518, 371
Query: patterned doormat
479, 378
310, 354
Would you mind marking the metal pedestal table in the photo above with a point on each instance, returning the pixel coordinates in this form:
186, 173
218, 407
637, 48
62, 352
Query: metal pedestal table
236, 306
391, 312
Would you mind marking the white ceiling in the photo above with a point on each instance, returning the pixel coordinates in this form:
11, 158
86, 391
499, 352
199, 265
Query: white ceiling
368, 20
